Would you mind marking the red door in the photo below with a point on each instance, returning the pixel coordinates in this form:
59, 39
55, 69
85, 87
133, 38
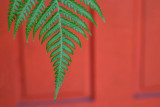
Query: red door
117, 67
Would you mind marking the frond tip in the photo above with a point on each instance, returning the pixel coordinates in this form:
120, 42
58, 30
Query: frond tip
56, 92
56, 22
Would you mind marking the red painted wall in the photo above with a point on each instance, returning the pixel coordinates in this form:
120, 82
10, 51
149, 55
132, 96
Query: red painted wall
117, 67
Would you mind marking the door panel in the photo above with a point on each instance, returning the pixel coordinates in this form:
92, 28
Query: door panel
151, 43
146, 54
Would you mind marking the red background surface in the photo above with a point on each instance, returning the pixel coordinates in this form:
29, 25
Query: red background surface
119, 66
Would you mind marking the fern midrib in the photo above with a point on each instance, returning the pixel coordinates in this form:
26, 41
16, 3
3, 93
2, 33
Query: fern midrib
60, 30
60, 67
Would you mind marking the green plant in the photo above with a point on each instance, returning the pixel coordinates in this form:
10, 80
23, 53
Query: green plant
54, 21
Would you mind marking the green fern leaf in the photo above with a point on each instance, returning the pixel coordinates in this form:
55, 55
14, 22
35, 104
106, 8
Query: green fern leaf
44, 16
35, 14
47, 25
55, 22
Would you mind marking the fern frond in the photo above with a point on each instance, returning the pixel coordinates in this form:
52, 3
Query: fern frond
22, 12
35, 14
94, 6
12, 11
61, 45
57, 24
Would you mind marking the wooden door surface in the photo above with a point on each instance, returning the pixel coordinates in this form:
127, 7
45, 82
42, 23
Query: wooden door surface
119, 66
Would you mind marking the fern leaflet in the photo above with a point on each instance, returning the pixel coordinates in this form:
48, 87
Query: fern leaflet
34, 16
22, 11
